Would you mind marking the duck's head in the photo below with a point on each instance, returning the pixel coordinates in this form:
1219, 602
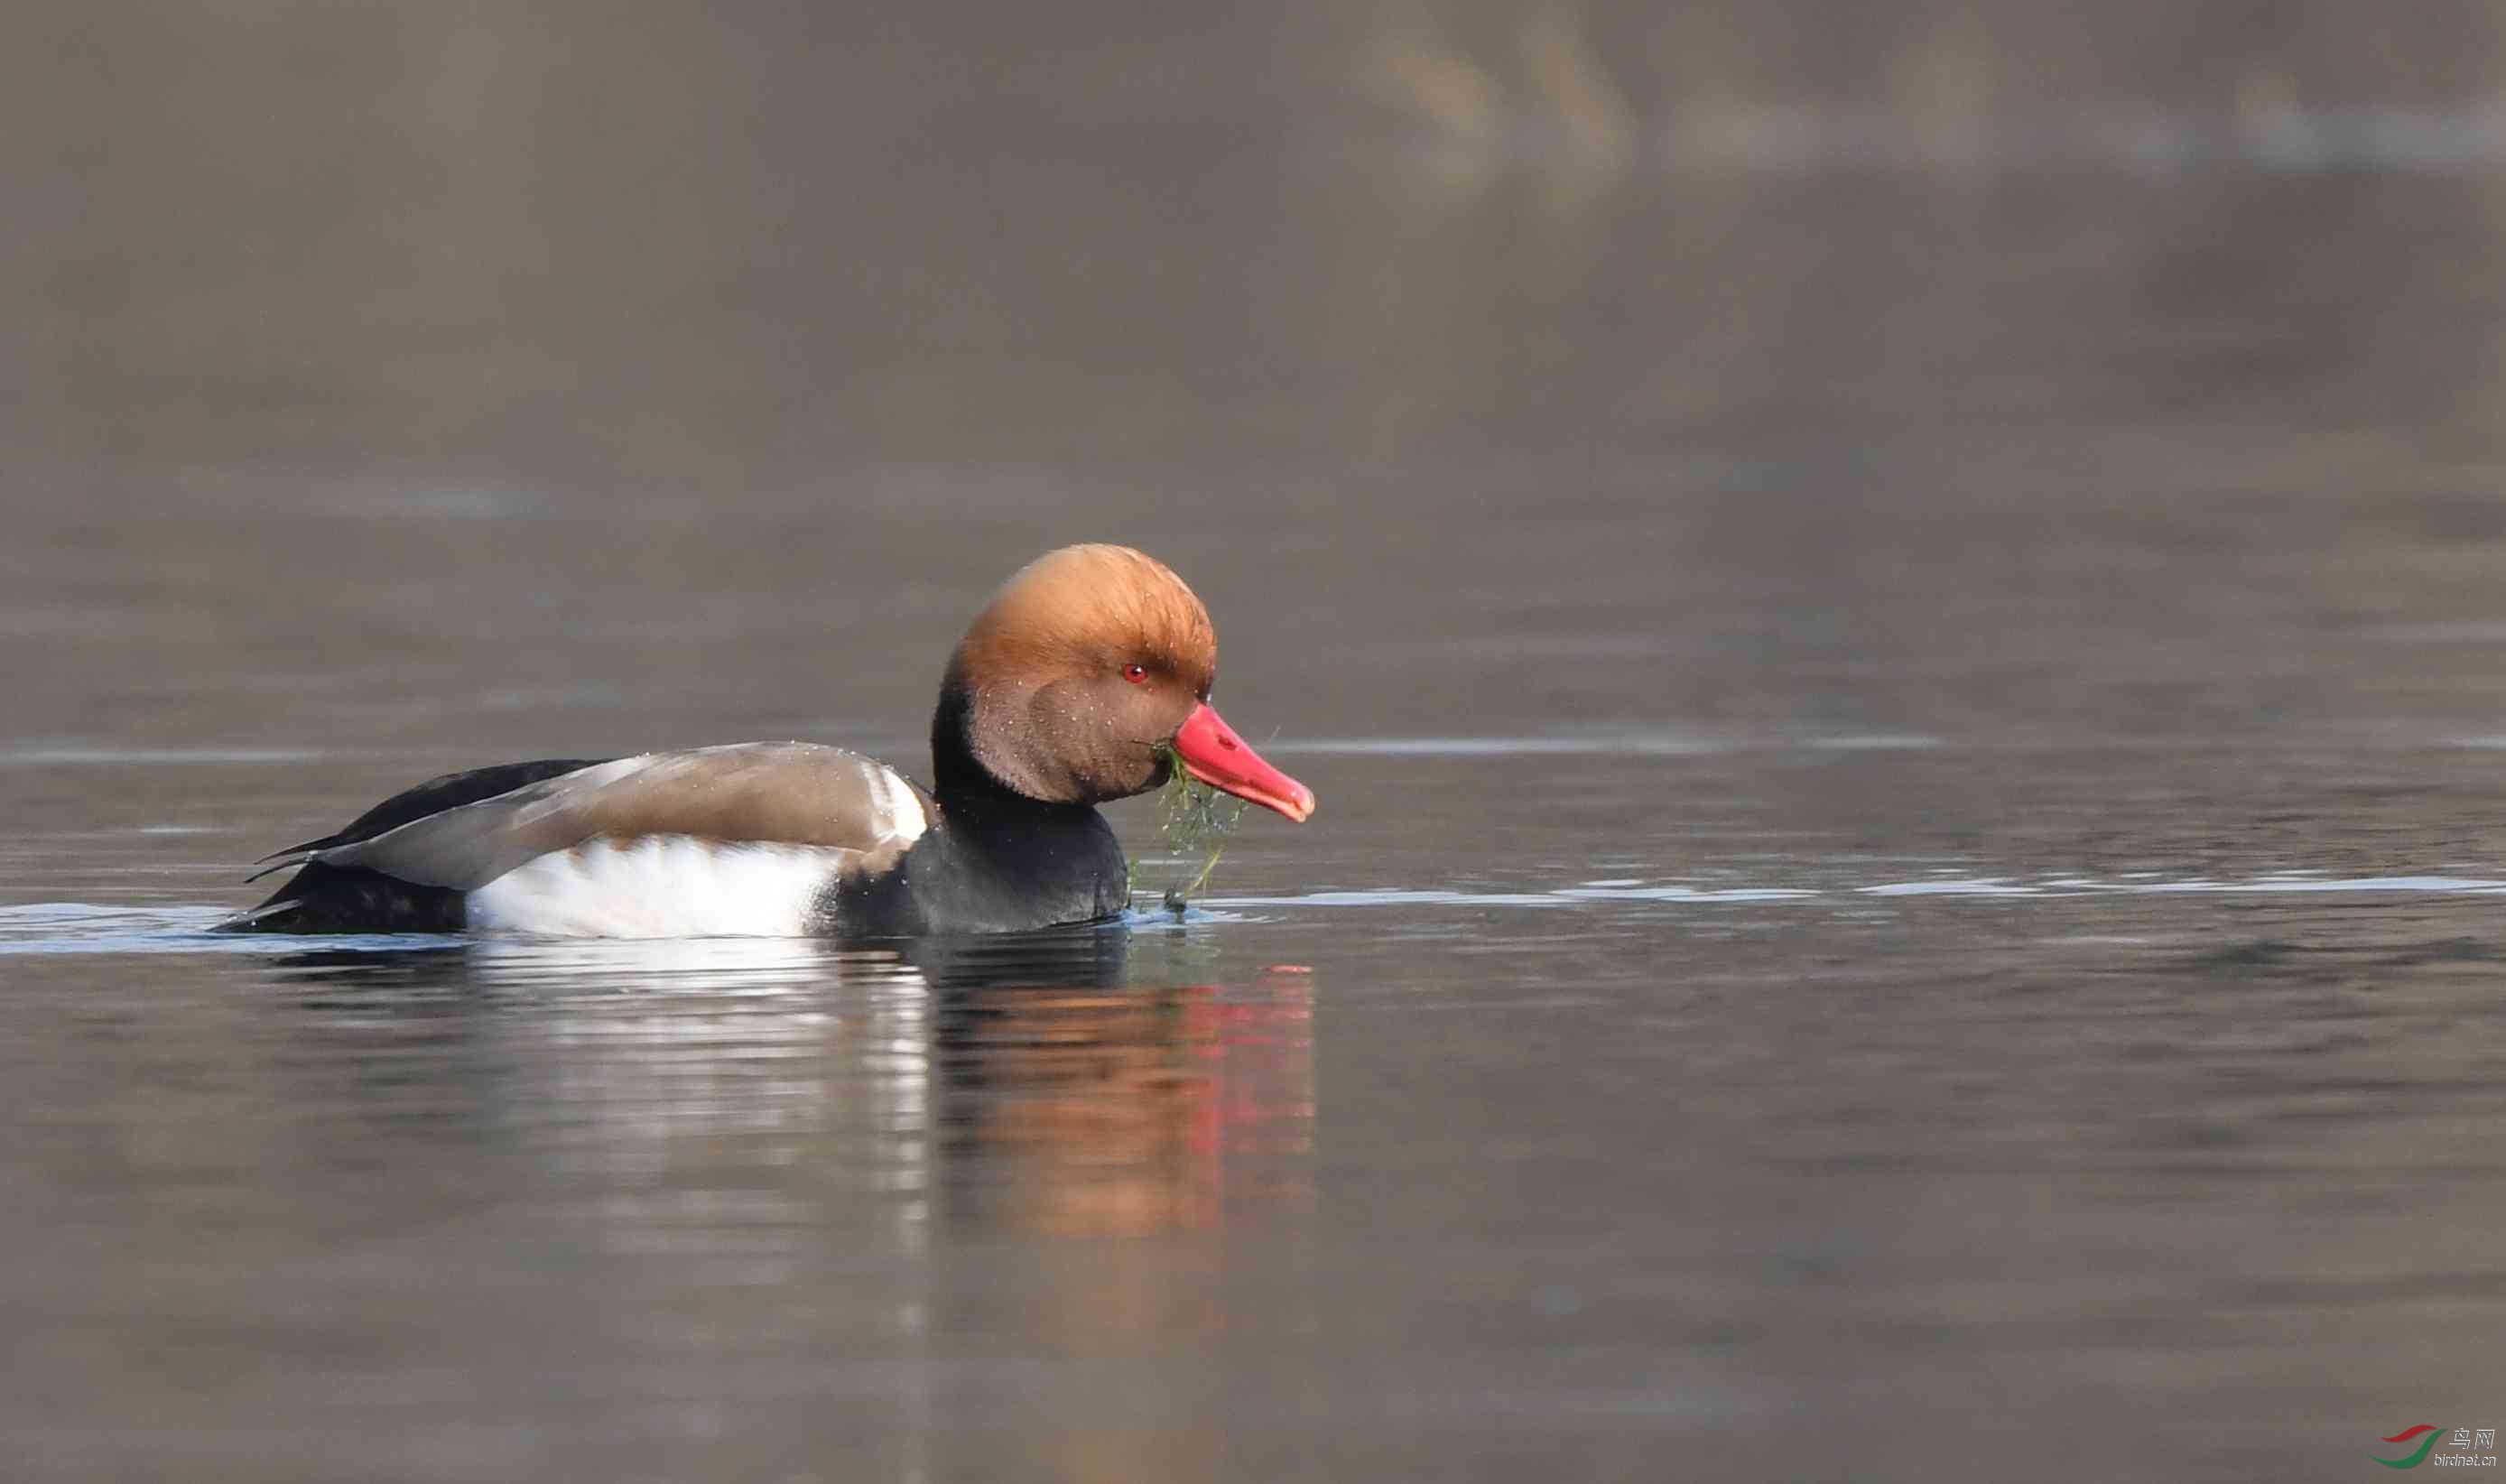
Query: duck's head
1083, 675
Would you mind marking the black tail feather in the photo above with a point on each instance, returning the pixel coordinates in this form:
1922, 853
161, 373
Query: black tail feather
351, 899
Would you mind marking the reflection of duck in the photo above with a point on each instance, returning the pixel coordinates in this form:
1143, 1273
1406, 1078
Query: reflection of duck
1073, 686
1023, 1082
1082, 1110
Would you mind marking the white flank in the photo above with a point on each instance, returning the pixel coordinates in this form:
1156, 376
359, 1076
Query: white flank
900, 813
661, 886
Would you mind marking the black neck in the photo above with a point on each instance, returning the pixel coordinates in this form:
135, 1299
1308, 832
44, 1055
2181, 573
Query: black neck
956, 776
1000, 860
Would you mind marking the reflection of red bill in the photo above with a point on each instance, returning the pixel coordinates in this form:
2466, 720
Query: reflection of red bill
1214, 753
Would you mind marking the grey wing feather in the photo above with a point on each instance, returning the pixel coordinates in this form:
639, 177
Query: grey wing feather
793, 793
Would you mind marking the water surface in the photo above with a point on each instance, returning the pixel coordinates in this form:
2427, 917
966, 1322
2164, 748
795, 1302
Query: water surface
1905, 671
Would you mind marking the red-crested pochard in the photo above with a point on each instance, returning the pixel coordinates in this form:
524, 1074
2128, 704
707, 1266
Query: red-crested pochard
1085, 673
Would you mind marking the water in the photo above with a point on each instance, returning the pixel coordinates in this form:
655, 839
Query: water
1903, 660
1863, 1097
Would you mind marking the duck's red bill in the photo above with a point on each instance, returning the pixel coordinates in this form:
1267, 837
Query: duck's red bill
1214, 753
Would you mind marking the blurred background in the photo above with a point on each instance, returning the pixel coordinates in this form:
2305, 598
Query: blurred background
527, 317
1894, 607
742, 250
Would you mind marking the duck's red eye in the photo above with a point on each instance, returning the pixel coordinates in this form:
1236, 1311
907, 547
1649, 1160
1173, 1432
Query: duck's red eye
1136, 672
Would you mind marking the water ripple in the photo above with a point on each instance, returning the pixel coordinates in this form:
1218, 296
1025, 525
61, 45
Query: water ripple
69, 927
2060, 886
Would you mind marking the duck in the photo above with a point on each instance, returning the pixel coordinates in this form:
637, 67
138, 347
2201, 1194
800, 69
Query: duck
1086, 679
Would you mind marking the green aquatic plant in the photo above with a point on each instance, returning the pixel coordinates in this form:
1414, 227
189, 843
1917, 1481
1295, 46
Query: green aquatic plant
1193, 820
